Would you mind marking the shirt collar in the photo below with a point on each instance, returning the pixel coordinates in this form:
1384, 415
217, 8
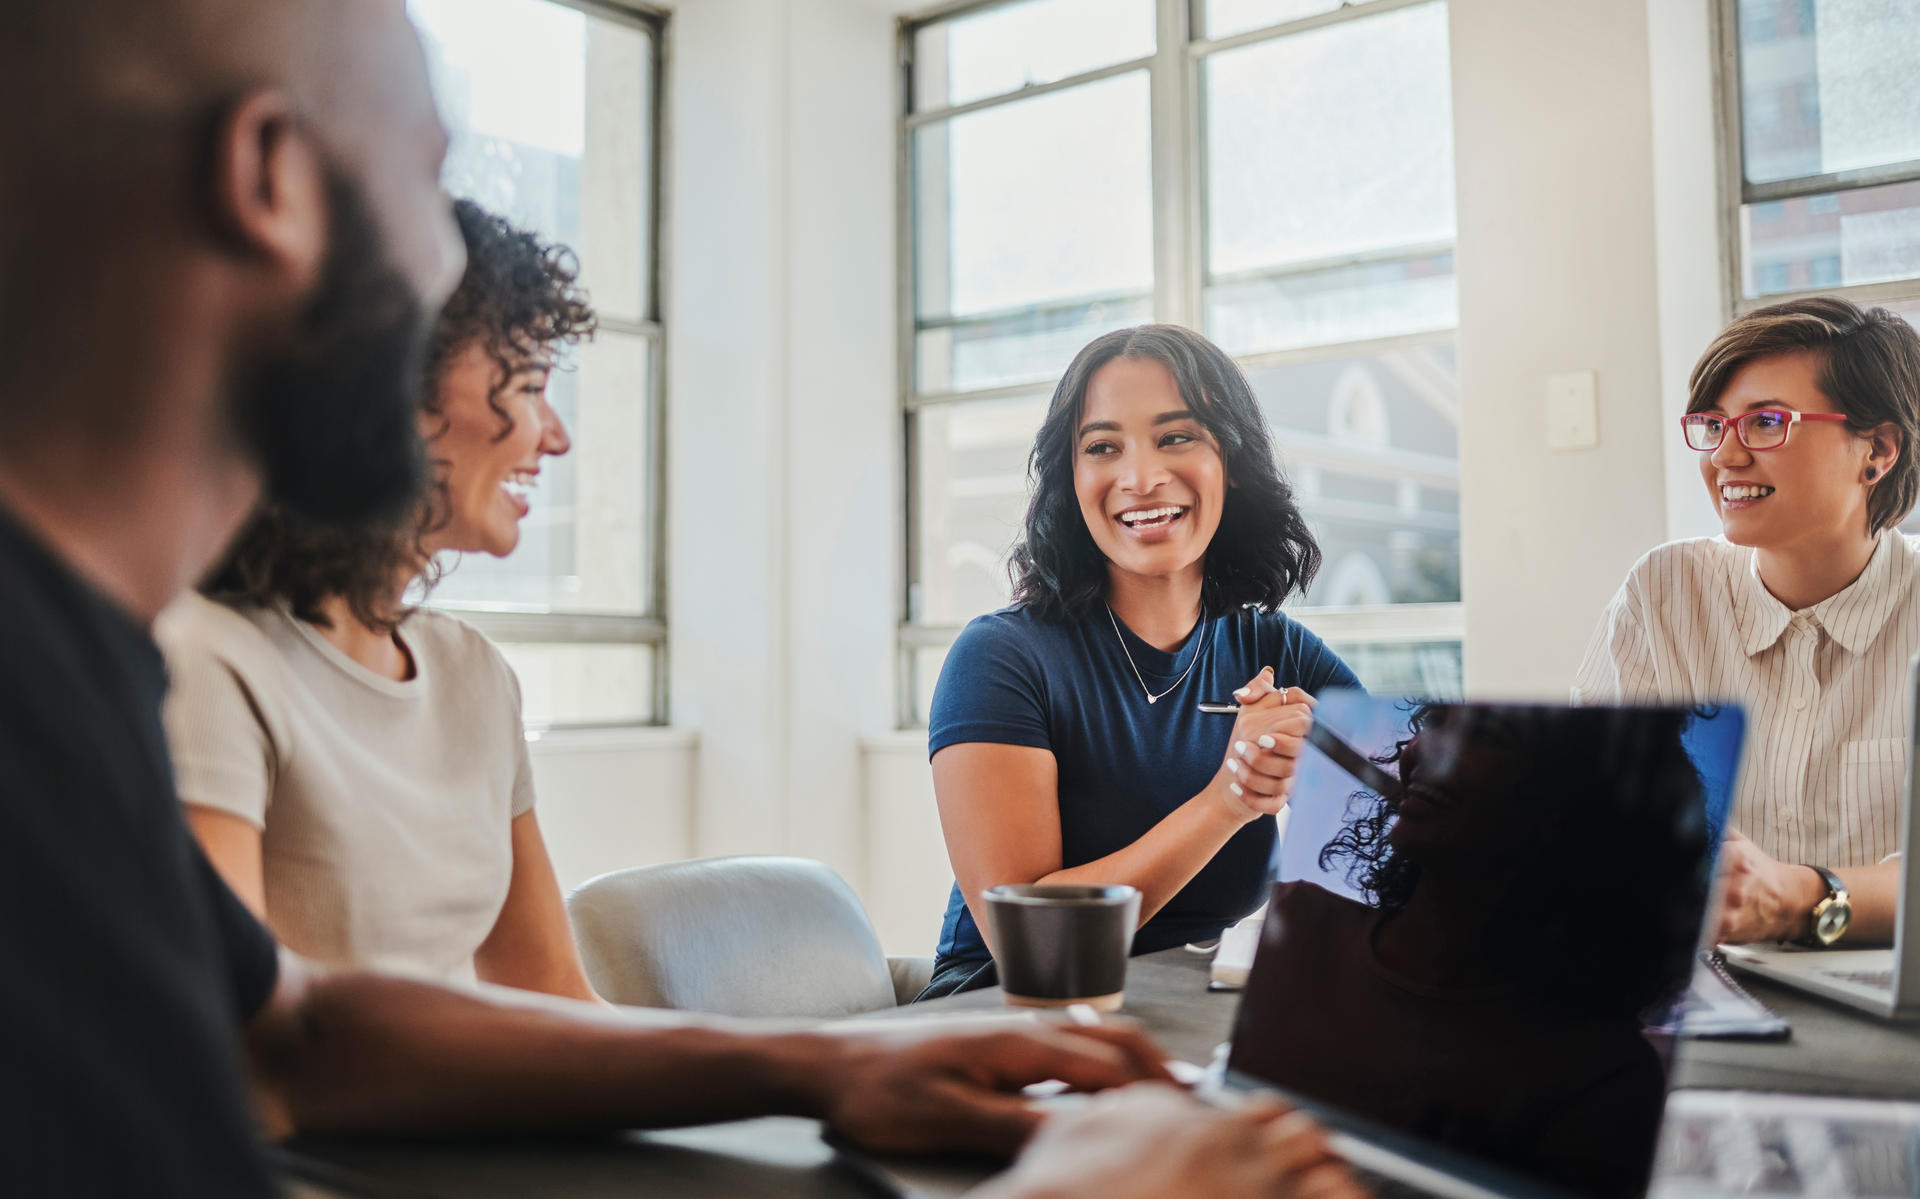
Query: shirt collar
1856, 614
1853, 616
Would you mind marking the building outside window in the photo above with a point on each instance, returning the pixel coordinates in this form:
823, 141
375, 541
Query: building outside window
1275, 173
553, 109
1821, 101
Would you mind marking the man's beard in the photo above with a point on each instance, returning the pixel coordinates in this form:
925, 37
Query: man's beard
333, 418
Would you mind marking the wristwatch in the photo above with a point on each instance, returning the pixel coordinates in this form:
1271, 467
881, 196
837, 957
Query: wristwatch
1828, 921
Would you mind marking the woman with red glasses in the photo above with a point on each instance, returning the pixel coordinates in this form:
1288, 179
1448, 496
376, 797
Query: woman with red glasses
1805, 610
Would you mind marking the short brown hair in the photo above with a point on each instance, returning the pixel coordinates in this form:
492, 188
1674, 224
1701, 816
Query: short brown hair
1869, 369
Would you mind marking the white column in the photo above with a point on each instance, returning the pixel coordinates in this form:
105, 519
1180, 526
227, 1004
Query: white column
1554, 164
727, 396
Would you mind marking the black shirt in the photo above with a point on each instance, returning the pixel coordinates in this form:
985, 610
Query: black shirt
127, 969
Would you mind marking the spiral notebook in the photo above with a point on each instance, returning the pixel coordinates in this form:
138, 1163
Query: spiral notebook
1719, 1008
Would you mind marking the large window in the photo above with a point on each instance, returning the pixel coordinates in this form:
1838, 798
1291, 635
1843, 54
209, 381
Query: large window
553, 109
1275, 173
1823, 149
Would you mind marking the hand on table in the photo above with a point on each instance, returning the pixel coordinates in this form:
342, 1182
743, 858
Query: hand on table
1268, 733
1149, 1142
1761, 897
914, 1093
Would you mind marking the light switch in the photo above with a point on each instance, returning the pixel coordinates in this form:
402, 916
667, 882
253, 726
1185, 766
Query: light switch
1573, 417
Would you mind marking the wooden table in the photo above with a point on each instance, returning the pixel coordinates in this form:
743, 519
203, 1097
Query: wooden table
1832, 1051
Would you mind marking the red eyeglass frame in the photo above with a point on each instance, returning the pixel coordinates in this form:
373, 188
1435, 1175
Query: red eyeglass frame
1739, 426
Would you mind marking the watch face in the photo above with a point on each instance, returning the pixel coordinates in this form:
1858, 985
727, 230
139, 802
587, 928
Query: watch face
1831, 922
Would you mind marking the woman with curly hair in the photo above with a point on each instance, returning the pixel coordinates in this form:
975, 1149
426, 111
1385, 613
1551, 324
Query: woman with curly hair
355, 767
1066, 740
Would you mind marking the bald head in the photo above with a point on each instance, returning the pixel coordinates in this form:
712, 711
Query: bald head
112, 106
217, 213
80, 73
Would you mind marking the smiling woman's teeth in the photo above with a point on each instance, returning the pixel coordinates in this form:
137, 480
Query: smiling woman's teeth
1147, 518
1745, 493
519, 485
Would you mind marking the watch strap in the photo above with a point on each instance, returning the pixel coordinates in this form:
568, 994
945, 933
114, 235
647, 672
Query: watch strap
1835, 888
1836, 893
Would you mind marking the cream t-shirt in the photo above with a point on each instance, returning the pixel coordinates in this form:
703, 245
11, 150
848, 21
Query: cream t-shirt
385, 808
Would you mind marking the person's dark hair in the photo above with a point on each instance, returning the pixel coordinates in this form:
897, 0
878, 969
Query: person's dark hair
1262, 551
1869, 368
1601, 911
518, 297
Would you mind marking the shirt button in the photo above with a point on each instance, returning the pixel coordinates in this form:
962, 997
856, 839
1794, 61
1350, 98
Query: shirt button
1799, 703
1786, 818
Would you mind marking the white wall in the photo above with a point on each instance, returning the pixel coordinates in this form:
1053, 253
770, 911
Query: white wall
614, 798
1555, 160
907, 873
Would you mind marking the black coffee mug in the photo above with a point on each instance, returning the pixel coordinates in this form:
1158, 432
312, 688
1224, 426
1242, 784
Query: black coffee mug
1061, 943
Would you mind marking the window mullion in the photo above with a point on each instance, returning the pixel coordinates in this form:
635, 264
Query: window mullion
1173, 160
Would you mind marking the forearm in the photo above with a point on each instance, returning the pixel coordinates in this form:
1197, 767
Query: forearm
1875, 894
1786, 908
1166, 858
363, 1052
564, 979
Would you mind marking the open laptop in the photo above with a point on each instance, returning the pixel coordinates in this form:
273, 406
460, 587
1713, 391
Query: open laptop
1885, 982
1481, 910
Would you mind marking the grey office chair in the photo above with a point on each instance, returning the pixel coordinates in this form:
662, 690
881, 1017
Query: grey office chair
751, 936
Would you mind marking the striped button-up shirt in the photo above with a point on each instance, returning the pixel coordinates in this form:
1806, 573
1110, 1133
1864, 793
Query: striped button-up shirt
1826, 689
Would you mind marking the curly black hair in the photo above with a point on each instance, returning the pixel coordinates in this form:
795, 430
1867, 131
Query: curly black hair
1262, 551
518, 297
1601, 914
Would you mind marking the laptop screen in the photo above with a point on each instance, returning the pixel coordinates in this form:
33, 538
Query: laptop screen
1480, 910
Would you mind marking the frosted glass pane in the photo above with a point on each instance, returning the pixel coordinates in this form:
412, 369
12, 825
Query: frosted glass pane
971, 489
550, 112
1332, 142
1038, 200
1354, 303
1228, 17
583, 684
1022, 347
1000, 50
1828, 85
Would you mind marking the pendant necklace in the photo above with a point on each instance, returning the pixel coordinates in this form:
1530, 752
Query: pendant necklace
1151, 697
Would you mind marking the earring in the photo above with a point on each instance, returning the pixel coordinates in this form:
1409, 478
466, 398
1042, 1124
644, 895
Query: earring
1872, 474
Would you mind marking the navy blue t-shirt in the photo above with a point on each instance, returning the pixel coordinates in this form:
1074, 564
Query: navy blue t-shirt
1013, 678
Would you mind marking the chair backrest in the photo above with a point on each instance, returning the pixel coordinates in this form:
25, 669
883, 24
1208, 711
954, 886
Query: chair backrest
750, 936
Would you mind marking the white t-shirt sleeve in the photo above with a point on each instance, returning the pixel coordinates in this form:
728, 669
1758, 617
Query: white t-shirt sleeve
220, 730
516, 728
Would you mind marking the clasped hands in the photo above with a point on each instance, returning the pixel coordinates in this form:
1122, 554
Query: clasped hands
1268, 733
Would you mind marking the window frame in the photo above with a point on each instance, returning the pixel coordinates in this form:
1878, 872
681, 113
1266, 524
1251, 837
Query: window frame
1736, 193
508, 624
1177, 129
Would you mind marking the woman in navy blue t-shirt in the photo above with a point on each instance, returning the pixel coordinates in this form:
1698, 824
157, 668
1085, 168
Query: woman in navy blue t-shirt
1066, 741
